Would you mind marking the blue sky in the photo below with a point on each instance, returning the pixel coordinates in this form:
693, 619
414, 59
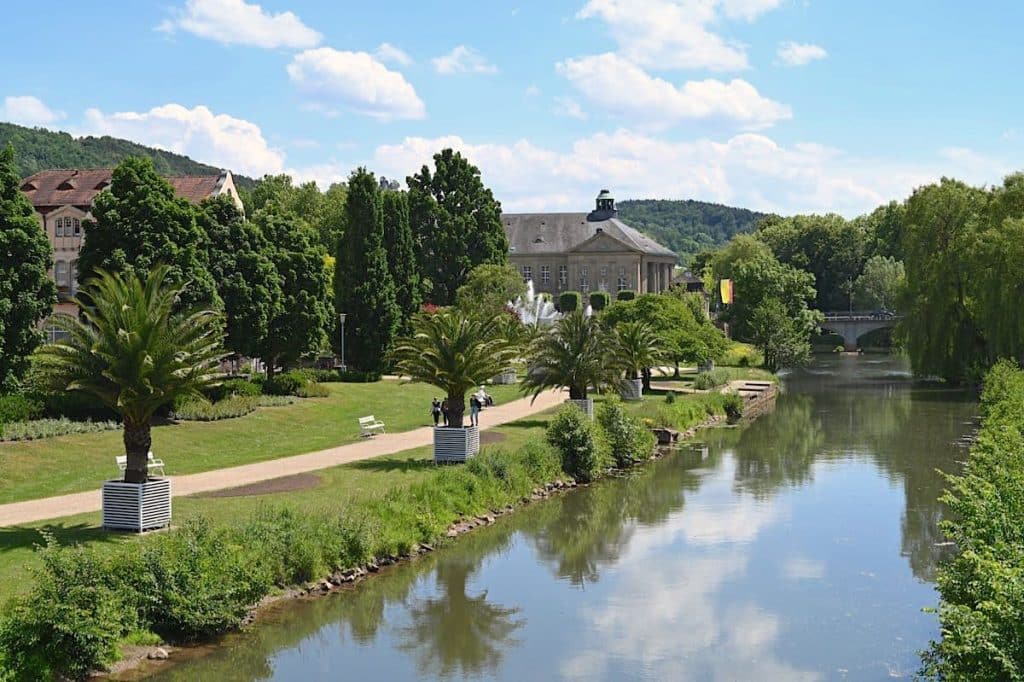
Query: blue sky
784, 105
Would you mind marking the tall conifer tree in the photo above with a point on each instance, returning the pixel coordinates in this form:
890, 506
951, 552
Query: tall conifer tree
27, 294
401, 254
364, 289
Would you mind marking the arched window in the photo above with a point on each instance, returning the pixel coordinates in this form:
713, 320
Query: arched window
60, 273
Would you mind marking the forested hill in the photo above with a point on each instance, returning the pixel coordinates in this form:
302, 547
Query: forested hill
37, 149
687, 226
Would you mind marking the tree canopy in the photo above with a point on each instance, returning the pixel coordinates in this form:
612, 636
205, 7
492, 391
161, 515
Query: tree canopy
489, 289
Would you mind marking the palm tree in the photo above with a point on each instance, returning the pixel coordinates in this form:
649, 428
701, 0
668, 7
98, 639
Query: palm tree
454, 352
134, 353
575, 354
637, 347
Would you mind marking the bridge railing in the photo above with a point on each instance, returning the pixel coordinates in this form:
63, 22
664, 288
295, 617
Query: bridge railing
858, 316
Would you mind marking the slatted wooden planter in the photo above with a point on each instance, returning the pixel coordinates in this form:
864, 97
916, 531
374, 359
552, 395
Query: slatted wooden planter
137, 507
586, 405
506, 377
453, 444
633, 389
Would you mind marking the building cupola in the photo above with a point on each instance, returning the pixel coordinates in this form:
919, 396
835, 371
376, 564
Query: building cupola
605, 202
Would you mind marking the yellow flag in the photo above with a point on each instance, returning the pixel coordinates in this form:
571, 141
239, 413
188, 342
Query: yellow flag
725, 286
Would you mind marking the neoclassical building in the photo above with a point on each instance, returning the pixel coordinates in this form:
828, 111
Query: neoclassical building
63, 199
586, 251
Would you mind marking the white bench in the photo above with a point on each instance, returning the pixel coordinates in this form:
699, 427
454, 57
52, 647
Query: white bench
368, 426
152, 464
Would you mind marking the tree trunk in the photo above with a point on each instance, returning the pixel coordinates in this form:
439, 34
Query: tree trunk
676, 375
647, 378
456, 410
576, 393
137, 442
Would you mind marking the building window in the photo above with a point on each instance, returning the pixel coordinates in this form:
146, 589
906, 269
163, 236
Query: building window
527, 273
55, 334
604, 272
60, 273
623, 284
545, 274
563, 275
58, 227
622, 272
78, 227
584, 285
584, 271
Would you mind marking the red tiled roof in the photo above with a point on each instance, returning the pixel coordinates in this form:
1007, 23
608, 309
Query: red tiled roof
78, 187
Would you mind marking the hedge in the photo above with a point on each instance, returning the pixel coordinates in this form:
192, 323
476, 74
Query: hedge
569, 301
599, 300
625, 295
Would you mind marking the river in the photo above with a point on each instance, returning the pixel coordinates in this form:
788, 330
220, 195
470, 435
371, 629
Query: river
800, 547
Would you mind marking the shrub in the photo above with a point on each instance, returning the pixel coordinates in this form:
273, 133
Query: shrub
569, 301
628, 440
286, 383
732, 403
740, 355
313, 390
204, 411
77, 406
38, 429
275, 400
230, 387
625, 295
579, 442
18, 407
599, 300
670, 397
711, 379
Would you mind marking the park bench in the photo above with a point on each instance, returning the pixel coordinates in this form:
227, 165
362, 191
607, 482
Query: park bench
152, 464
369, 426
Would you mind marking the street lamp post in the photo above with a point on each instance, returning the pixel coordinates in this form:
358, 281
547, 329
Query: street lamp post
341, 319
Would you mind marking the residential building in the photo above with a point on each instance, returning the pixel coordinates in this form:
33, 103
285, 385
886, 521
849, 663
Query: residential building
63, 199
586, 252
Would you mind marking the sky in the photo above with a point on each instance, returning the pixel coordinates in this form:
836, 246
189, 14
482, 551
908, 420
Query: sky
774, 105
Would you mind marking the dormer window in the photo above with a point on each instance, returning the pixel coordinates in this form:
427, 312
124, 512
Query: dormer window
103, 184
67, 185
29, 187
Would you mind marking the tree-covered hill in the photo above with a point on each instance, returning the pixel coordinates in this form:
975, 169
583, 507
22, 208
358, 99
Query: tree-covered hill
687, 226
38, 149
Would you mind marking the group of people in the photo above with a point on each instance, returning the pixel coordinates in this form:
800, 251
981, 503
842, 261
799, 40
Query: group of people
477, 402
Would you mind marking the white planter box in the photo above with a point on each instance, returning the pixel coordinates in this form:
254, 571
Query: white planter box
452, 444
633, 389
137, 507
508, 377
586, 405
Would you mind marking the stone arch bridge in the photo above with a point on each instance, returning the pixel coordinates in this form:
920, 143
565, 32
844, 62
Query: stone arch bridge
853, 325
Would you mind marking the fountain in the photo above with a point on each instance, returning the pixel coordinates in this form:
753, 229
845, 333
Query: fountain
534, 309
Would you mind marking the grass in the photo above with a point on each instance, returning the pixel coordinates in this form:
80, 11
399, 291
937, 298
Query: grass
69, 464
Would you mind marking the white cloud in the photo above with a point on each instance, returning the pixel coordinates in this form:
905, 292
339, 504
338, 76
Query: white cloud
749, 170
674, 34
462, 59
216, 139
356, 81
747, 9
659, 103
238, 22
798, 54
532, 91
567, 106
323, 174
27, 110
386, 52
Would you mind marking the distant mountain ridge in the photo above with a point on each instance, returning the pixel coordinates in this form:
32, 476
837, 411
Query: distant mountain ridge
39, 149
688, 226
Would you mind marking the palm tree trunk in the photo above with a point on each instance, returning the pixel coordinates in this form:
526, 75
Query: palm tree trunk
676, 375
137, 442
647, 378
456, 410
577, 393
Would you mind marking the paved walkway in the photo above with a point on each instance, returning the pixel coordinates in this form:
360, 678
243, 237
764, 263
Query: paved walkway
31, 511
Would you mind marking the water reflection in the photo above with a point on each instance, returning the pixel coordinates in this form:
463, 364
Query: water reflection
798, 548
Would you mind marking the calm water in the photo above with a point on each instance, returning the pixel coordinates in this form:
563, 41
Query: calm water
799, 548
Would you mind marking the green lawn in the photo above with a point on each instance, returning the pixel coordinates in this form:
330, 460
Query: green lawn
56, 466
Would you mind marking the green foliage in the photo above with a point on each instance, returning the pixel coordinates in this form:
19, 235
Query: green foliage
363, 285
138, 224
40, 149
313, 390
569, 301
401, 252
454, 352
628, 440
286, 383
579, 441
670, 398
456, 222
784, 341
205, 411
599, 300
732, 403
18, 407
38, 429
575, 353
625, 295
687, 226
684, 414
230, 387
682, 336
134, 353
27, 294
247, 281
982, 603
489, 289
764, 277
298, 327
879, 286
740, 355
712, 379
322, 212
637, 347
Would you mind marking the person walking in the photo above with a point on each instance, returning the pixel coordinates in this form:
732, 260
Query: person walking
444, 410
474, 410
435, 410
